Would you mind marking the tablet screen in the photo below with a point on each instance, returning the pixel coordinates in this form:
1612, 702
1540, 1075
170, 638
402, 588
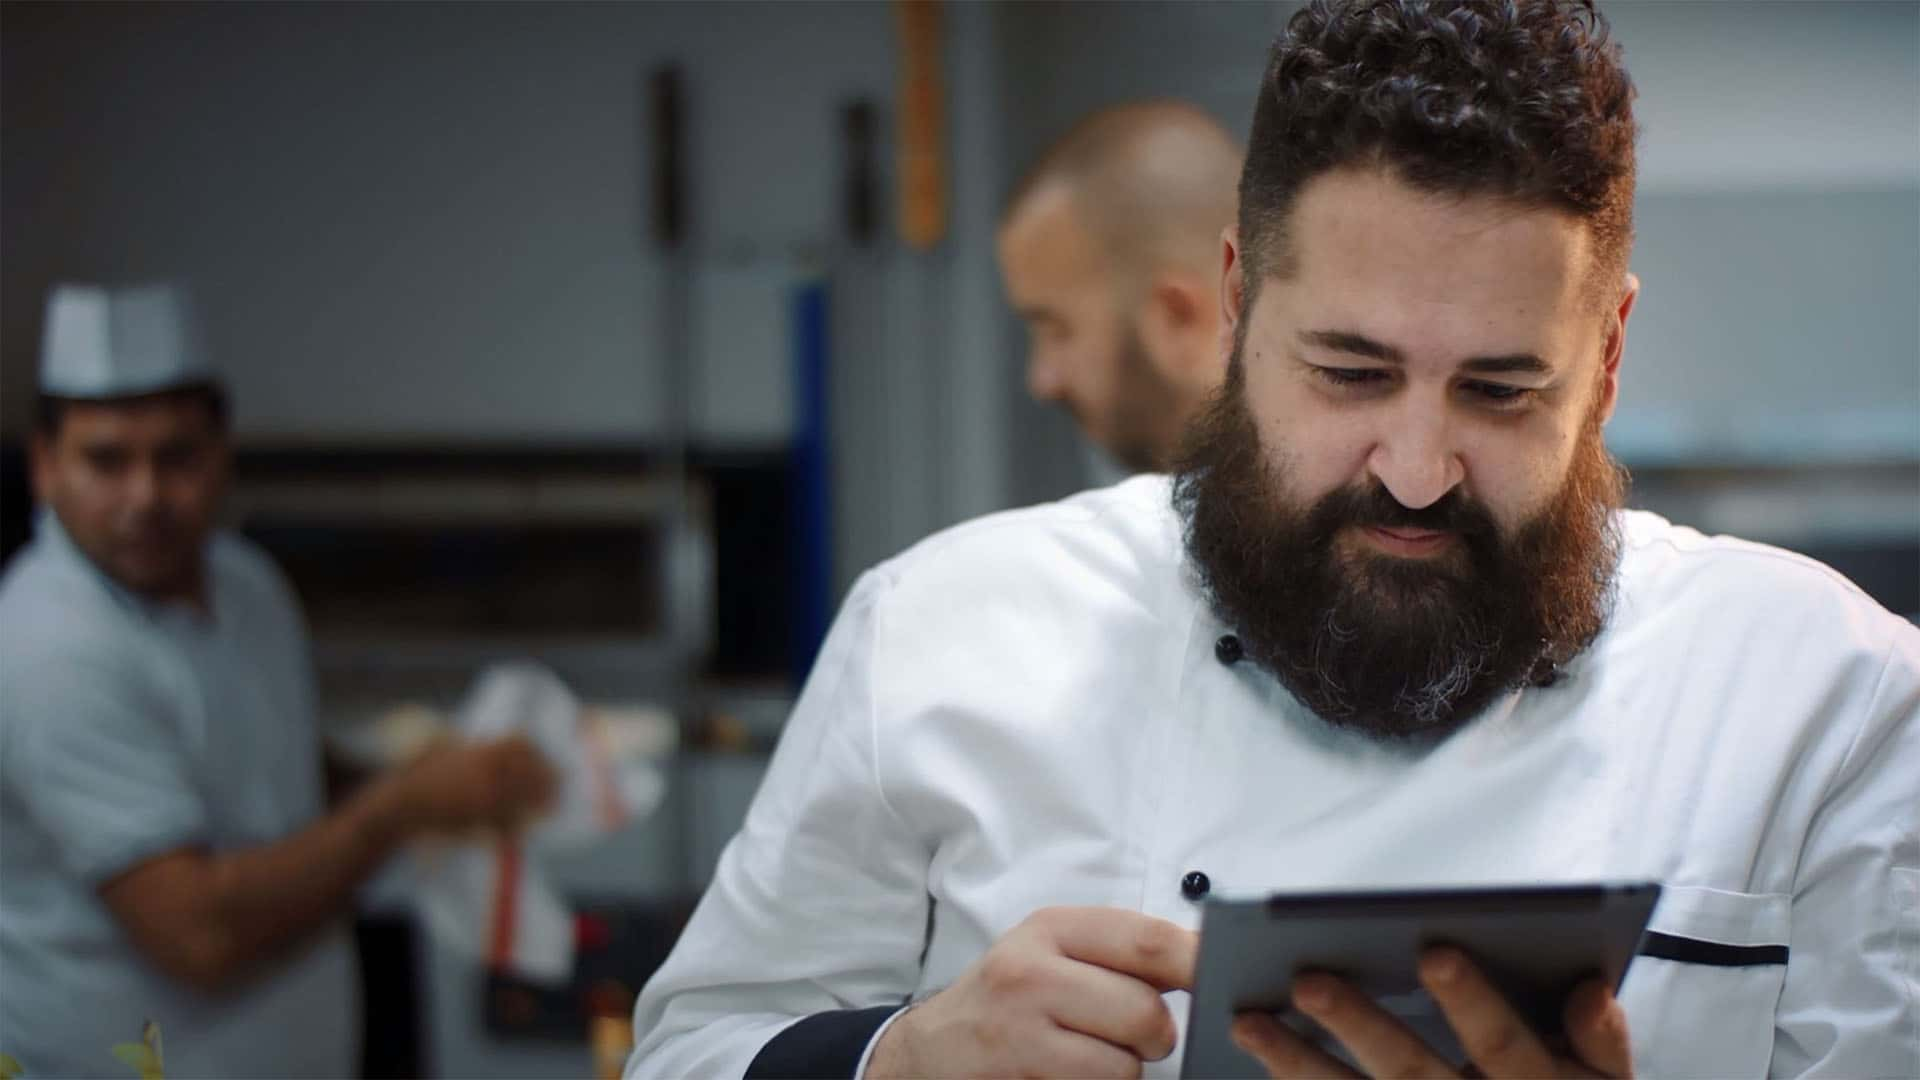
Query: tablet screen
1536, 942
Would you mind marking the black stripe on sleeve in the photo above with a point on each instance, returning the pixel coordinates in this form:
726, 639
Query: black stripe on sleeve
1711, 953
824, 1046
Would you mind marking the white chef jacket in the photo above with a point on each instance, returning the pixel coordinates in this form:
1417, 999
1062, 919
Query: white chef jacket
1028, 710
129, 729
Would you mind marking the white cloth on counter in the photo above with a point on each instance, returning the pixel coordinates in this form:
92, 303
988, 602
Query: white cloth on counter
495, 901
1027, 710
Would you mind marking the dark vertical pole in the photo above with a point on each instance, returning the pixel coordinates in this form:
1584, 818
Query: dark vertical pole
664, 140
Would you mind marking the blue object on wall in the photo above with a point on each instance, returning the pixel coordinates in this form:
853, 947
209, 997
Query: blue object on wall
812, 548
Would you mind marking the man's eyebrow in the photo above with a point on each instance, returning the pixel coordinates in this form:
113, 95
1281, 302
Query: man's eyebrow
1036, 314
1511, 364
1344, 341
1358, 345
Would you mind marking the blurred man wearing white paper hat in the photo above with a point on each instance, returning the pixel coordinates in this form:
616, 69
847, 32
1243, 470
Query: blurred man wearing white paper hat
167, 854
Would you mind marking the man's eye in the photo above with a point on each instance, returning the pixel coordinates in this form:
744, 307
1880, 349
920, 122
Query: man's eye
1499, 393
1351, 376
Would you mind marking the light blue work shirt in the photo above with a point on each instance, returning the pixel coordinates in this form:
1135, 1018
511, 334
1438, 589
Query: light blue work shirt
129, 729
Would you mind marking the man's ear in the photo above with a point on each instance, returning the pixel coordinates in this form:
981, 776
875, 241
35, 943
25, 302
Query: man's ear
1181, 299
1175, 322
1233, 284
1616, 346
1232, 278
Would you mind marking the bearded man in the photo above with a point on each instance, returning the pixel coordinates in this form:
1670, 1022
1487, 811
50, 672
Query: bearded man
1387, 626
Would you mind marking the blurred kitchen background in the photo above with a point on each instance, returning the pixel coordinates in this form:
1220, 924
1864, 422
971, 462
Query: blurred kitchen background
604, 334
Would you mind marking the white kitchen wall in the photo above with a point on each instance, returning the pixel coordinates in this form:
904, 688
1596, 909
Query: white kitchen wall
1744, 95
1779, 234
418, 222
427, 224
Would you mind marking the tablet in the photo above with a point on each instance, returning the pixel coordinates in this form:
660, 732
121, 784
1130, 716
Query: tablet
1535, 942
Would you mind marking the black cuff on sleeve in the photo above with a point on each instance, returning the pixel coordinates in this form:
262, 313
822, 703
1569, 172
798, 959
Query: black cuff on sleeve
824, 1046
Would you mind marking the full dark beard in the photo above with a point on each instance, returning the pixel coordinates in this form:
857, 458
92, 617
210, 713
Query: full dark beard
1385, 645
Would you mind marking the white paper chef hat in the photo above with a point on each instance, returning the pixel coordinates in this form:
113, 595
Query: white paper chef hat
120, 342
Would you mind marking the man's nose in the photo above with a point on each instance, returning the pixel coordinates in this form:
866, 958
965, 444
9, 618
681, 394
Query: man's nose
1416, 459
143, 486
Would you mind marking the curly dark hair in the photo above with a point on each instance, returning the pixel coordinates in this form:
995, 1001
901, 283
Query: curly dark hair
1521, 99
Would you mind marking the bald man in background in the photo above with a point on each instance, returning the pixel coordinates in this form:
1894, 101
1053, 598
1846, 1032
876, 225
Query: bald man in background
1109, 249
